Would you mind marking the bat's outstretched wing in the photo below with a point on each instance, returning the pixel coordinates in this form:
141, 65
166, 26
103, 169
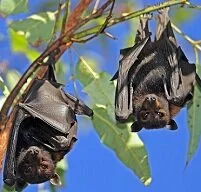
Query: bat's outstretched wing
182, 76
128, 57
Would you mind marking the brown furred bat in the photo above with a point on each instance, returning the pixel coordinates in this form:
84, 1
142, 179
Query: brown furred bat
155, 79
43, 132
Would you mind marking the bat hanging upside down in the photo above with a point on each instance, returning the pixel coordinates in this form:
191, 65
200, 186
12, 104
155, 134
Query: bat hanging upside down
43, 132
155, 79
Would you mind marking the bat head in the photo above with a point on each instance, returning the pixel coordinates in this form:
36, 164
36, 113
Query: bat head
153, 112
35, 165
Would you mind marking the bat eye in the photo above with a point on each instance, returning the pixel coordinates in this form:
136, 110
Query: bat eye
44, 166
160, 114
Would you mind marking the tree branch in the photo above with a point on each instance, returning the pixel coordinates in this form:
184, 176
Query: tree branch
94, 30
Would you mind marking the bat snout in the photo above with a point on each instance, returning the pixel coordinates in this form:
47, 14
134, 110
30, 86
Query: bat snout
150, 98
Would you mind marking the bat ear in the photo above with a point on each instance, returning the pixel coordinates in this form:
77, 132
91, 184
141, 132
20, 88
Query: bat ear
136, 127
172, 125
55, 180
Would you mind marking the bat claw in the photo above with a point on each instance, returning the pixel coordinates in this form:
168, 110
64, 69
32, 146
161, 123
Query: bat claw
147, 16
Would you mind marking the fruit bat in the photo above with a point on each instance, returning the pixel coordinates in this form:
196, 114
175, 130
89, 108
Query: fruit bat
43, 131
154, 79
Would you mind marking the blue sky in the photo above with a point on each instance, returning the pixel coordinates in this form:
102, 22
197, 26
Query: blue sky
92, 167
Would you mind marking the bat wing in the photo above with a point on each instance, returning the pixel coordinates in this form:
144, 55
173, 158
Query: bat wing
123, 52
9, 174
77, 105
45, 101
182, 74
41, 133
123, 96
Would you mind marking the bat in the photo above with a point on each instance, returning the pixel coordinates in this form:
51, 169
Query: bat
154, 79
43, 132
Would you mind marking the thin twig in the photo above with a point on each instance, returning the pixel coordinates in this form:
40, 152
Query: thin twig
84, 21
65, 18
196, 56
73, 74
190, 5
107, 18
101, 30
110, 35
198, 41
95, 29
57, 15
96, 6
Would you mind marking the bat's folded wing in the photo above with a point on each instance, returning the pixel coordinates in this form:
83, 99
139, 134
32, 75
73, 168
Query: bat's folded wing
45, 101
182, 76
77, 105
123, 97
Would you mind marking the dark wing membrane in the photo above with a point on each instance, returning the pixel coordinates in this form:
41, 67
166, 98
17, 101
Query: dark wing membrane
9, 175
123, 97
77, 105
46, 102
188, 73
182, 75
52, 139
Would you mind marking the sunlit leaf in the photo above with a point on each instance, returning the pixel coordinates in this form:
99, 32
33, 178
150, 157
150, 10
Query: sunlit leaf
12, 77
6, 188
3, 87
128, 147
36, 28
85, 70
20, 44
60, 71
8, 7
194, 122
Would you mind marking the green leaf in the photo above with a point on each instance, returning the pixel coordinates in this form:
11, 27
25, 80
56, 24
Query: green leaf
3, 87
194, 111
36, 28
2, 100
19, 44
60, 69
12, 77
104, 96
127, 146
85, 70
6, 188
13, 7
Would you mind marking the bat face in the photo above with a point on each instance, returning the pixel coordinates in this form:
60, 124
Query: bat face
153, 112
35, 165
